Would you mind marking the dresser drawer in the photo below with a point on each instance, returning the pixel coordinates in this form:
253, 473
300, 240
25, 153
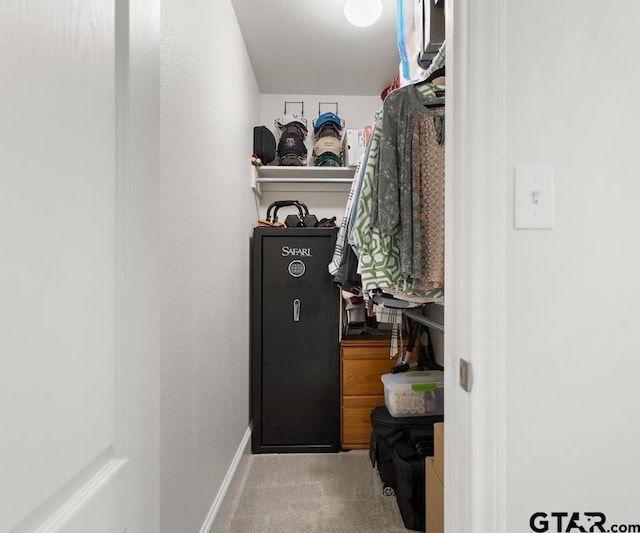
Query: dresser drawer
367, 351
363, 377
356, 420
364, 359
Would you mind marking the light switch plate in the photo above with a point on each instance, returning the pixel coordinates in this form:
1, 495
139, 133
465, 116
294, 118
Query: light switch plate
534, 197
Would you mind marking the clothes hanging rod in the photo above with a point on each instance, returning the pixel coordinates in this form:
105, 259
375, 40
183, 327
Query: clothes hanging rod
421, 319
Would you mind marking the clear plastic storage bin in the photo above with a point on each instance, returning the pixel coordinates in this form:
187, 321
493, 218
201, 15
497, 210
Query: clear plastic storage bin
414, 393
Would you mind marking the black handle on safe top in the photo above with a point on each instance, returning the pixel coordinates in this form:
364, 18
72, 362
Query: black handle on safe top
308, 220
302, 220
275, 206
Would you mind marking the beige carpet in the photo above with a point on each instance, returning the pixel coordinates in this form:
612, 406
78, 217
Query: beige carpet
313, 493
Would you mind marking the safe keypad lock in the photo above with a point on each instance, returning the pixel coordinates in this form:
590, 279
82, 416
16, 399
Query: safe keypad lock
296, 268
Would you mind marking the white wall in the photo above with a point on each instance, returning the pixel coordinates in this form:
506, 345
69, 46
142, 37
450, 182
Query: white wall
210, 103
572, 367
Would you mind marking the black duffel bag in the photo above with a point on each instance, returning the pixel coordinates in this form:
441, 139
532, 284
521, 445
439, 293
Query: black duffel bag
397, 449
410, 485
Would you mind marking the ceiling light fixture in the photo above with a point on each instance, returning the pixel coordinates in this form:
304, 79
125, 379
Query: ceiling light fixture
362, 13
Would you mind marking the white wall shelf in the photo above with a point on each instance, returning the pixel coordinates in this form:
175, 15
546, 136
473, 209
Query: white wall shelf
301, 178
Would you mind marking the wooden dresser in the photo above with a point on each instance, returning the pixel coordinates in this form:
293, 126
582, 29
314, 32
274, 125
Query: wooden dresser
363, 359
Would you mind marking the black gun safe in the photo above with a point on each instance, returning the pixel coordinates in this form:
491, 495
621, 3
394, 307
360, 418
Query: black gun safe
295, 366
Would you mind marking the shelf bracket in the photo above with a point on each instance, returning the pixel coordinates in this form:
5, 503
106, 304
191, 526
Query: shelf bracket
255, 184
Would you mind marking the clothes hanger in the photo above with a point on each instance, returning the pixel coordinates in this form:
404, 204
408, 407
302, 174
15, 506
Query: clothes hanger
439, 99
437, 73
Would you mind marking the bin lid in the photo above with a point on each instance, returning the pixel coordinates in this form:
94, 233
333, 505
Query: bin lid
417, 380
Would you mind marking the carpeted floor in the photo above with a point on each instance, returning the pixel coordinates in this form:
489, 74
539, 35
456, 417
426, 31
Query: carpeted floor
313, 493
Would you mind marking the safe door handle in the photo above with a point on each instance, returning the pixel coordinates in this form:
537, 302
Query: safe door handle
296, 310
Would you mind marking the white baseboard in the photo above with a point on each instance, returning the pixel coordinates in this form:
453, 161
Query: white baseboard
212, 515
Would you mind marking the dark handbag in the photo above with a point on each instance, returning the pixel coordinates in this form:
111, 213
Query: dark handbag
264, 144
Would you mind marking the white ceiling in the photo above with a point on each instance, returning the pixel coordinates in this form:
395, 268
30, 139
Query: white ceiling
308, 47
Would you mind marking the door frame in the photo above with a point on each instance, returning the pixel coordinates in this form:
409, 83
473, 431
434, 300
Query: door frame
138, 93
476, 225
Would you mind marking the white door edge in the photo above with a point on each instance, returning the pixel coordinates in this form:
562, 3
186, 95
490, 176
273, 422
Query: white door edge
475, 268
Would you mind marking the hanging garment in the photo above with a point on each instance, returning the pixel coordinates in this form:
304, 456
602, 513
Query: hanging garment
427, 270
394, 317
356, 196
378, 254
341, 247
393, 210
